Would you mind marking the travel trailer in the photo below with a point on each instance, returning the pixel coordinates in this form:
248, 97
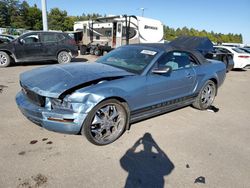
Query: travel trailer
106, 33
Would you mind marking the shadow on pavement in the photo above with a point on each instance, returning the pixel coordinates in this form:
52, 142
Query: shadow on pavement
38, 63
79, 59
239, 70
146, 164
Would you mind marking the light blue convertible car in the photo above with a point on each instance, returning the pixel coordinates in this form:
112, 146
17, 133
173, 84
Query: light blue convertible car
101, 99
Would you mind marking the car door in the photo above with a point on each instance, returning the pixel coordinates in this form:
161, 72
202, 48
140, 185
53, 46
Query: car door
178, 83
50, 45
29, 47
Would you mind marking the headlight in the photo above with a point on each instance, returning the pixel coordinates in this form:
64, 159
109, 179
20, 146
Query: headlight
60, 104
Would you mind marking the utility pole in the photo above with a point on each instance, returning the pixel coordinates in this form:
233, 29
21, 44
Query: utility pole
44, 13
142, 9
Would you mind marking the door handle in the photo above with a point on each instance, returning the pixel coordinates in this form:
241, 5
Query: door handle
188, 75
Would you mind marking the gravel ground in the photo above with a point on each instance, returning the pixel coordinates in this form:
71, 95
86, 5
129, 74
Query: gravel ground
183, 148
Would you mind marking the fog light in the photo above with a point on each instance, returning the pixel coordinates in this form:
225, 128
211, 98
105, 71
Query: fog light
61, 120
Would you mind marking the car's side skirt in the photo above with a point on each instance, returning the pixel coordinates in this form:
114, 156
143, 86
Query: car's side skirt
144, 113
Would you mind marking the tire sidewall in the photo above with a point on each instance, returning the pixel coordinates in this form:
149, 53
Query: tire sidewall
86, 125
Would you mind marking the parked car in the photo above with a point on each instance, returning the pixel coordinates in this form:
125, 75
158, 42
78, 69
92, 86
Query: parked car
129, 84
241, 58
6, 38
38, 46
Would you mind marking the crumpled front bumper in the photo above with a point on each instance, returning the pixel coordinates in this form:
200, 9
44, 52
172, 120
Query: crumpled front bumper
42, 116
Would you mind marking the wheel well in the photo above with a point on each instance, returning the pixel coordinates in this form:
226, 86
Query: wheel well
12, 56
119, 99
67, 50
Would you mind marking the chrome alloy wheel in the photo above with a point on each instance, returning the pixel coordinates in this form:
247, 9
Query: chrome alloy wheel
208, 94
108, 123
3, 59
64, 57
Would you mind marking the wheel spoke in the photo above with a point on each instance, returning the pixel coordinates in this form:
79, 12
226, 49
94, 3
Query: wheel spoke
97, 120
115, 113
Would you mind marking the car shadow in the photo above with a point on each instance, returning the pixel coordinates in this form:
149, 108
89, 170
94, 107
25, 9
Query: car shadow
36, 63
239, 70
39, 63
146, 164
79, 60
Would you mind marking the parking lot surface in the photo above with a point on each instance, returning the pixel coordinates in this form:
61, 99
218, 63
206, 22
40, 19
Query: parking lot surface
183, 148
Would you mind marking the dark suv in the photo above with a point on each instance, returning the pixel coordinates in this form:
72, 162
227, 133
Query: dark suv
38, 46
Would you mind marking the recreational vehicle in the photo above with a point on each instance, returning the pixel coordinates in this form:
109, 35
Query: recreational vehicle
106, 33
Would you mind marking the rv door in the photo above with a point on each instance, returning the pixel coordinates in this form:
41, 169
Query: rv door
85, 37
119, 34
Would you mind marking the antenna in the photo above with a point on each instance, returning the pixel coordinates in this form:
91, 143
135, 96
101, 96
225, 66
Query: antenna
142, 11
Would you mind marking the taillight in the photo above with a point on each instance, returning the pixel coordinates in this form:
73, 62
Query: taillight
243, 56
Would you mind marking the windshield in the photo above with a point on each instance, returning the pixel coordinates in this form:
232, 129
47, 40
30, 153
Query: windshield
130, 58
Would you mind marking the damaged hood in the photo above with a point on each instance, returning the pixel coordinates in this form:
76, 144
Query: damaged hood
52, 81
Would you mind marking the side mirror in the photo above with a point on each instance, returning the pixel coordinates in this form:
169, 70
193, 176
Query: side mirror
21, 41
162, 70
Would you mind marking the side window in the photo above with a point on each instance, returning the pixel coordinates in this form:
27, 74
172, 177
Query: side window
33, 38
176, 60
49, 37
61, 37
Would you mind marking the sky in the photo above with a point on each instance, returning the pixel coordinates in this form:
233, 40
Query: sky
221, 16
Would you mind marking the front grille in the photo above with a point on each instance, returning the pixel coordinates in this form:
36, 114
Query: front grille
34, 98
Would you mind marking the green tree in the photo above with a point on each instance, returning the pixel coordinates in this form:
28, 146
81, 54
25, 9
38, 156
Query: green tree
34, 18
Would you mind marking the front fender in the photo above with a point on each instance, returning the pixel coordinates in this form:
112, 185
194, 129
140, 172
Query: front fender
91, 99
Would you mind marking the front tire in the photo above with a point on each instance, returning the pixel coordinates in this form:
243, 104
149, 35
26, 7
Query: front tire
106, 122
206, 96
63, 57
4, 59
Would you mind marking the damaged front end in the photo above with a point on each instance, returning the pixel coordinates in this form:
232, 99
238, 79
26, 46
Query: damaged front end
64, 114
59, 97
55, 115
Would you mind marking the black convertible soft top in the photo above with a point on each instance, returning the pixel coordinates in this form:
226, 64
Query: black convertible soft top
198, 46
201, 44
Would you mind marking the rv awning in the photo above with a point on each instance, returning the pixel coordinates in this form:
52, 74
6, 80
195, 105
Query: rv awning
201, 44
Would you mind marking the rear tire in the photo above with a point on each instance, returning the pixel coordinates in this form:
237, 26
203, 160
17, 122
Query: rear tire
63, 57
92, 51
106, 122
4, 59
98, 52
225, 61
206, 96
83, 50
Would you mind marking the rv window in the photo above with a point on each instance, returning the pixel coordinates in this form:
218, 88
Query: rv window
84, 29
108, 33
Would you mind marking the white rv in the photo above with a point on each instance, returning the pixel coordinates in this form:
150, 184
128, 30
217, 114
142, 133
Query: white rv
107, 33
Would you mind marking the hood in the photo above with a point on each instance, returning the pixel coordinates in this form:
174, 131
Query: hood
201, 44
52, 81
